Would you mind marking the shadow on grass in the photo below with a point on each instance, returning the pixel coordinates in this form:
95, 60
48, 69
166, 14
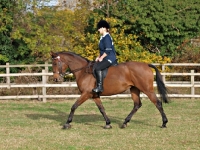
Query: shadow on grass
87, 119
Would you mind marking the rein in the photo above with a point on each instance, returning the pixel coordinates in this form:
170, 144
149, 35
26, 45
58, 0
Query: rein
76, 70
72, 71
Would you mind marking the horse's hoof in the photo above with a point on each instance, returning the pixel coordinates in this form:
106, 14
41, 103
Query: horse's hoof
66, 126
163, 126
124, 126
107, 127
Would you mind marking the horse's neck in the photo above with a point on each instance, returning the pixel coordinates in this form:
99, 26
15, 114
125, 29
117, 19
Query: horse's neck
78, 66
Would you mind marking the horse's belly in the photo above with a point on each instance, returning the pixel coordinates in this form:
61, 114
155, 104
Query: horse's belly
115, 89
116, 82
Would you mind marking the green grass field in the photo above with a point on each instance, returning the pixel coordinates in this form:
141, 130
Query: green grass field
33, 125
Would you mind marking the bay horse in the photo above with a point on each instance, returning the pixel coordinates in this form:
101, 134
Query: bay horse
136, 76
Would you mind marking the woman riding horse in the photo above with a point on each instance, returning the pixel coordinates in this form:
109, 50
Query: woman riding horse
136, 76
107, 55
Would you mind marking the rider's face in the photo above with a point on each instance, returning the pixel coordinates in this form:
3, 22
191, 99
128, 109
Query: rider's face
102, 30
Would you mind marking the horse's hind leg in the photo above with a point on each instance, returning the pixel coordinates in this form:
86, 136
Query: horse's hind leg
135, 94
102, 110
158, 104
81, 99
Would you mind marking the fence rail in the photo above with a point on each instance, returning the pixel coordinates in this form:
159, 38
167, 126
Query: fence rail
192, 84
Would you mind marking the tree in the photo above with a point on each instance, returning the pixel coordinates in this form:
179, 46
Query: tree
161, 26
13, 49
127, 46
6, 22
44, 29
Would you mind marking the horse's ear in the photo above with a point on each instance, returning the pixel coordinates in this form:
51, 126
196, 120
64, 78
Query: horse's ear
53, 54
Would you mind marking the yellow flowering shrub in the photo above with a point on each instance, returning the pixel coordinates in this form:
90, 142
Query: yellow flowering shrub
127, 46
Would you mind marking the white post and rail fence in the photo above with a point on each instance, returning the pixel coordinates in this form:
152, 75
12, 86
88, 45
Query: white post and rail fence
192, 84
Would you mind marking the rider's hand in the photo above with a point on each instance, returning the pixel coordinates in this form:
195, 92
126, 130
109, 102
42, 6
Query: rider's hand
97, 59
100, 59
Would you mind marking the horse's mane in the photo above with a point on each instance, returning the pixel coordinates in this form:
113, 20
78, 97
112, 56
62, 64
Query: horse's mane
74, 54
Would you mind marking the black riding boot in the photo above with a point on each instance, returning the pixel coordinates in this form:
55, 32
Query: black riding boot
99, 87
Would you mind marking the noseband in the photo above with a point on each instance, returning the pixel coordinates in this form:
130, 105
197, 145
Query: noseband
71, 71
59, 67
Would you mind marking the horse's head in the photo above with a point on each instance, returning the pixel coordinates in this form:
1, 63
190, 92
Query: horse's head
58, 65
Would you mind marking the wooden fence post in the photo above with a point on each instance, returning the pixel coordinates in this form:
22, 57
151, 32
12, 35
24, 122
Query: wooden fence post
46, 70
163, 70
192, 83
43, 87
8, 77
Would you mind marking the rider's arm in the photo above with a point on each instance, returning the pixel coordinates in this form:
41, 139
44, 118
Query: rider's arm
97, 59
108, 44
102, 57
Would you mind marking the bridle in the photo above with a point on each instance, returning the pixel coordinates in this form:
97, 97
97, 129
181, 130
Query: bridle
61, 73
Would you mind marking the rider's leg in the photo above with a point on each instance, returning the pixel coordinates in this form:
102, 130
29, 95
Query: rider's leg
99, 76
99, 79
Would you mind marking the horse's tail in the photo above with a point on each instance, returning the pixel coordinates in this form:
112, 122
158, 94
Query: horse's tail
160, 85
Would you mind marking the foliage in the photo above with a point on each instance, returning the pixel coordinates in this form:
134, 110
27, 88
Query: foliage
5, 29
189, 53
148, 31
127, 46
161, 26
38, 32
29, 31
13, 50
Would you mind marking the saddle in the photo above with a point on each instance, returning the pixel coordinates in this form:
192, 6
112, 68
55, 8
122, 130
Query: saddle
105, 71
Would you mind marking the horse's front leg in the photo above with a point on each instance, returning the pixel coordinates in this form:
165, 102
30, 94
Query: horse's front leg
81, 99
102, 110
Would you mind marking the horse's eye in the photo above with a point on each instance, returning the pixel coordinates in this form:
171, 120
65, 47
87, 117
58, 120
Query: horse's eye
54, 64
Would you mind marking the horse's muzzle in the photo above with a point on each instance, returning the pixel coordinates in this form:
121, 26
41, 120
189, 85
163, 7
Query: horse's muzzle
56, 80
59, 79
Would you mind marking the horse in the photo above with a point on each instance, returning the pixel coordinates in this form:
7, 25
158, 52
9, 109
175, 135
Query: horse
133, 75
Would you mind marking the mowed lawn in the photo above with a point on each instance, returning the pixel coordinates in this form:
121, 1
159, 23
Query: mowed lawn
33, 125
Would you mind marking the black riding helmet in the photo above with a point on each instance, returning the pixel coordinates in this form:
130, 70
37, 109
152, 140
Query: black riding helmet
103, 24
